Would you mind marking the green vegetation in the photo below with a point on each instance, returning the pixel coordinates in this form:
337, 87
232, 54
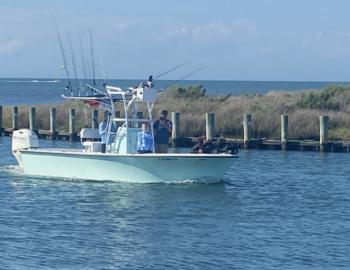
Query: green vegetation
303, 108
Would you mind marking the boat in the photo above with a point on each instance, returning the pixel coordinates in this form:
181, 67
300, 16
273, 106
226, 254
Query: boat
120, 162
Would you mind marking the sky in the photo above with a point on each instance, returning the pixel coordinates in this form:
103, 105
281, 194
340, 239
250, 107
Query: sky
265, 40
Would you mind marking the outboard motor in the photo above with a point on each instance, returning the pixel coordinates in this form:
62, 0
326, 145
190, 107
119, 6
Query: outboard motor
23, 139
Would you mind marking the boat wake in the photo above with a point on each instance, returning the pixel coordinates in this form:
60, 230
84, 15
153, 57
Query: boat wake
11, 169
33, 81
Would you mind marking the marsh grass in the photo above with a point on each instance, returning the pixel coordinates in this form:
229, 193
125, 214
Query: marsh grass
303, 108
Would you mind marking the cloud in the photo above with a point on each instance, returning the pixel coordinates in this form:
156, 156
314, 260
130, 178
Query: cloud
10, 47
215, 30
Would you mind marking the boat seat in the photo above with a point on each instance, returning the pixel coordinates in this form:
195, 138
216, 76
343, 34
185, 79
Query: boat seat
89, 135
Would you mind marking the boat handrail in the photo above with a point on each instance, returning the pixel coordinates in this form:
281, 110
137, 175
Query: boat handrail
130, 120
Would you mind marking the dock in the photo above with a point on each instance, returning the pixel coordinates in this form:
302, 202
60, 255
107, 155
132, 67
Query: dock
247, 142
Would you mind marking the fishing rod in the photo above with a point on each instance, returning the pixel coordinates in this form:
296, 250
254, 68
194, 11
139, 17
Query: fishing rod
65, 67
74, 65
92, 58
82, 56
171, 70
103, 69
184, 77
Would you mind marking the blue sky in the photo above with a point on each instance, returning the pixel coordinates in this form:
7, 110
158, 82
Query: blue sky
234, 40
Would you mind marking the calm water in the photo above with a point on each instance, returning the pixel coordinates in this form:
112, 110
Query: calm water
274, 211
42, 91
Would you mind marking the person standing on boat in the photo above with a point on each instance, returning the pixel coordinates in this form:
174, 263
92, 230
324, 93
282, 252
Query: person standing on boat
144, 140
162, 131
102, 130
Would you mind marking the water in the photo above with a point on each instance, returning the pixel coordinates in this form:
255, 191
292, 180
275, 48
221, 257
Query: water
274, 211
49, 91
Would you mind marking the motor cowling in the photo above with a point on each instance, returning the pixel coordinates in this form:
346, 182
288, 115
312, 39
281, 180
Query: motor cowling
23, 139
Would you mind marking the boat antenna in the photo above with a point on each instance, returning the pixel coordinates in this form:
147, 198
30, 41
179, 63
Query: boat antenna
92, 58
170, 70
65, 67
74, 65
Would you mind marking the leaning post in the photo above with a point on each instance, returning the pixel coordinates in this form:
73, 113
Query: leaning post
210, 125
32, 119
284, 131
72, 131
247, 126
324, 125
175, 118
14, 117
53, 123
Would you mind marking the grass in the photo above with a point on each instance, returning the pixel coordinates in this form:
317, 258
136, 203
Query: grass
303, 108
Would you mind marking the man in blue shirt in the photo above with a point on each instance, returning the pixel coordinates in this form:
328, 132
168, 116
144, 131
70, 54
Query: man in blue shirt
162, 130
144, 140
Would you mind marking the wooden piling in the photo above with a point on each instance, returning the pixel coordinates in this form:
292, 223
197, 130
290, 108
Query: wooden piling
72, 132
1, 127
53, 131
32, 119
247, 129
14, 117
210, 125
324, 125
175, 118
284, 131
94, 119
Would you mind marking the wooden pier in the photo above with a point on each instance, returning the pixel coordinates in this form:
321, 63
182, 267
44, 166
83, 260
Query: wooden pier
247, 142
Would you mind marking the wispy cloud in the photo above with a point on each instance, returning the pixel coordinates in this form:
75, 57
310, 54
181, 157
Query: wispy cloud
215, 30
9, 47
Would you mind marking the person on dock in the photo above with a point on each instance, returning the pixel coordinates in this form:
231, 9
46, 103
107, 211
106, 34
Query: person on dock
102, 130
162, 130
144, 140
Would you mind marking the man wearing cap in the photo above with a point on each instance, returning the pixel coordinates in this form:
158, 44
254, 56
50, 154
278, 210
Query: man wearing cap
162, 131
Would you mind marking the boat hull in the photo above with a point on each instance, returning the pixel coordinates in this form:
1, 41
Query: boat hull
141, 168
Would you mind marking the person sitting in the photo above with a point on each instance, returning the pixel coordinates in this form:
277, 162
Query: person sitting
203, 147
144, 140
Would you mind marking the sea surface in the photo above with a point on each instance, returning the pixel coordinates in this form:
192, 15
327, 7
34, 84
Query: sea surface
48, 91
273, 210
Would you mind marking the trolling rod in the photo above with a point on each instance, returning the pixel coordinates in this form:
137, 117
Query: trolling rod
184, 77
92, 58
74, 65
170, 70
63, 57
82, 55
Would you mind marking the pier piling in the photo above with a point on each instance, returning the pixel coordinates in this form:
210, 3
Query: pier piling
53, 132
32, 119
94, 119
1, 127
247, 126
284, 131
15, 118
210, 125
72, 131
175, 118
324, 125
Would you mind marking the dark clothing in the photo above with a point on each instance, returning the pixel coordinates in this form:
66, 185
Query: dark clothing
205, 148
161, 131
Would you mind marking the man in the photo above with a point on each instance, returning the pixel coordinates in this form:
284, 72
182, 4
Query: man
102, 130
162, 131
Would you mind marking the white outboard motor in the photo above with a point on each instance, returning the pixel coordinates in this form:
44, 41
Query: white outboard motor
23, 139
